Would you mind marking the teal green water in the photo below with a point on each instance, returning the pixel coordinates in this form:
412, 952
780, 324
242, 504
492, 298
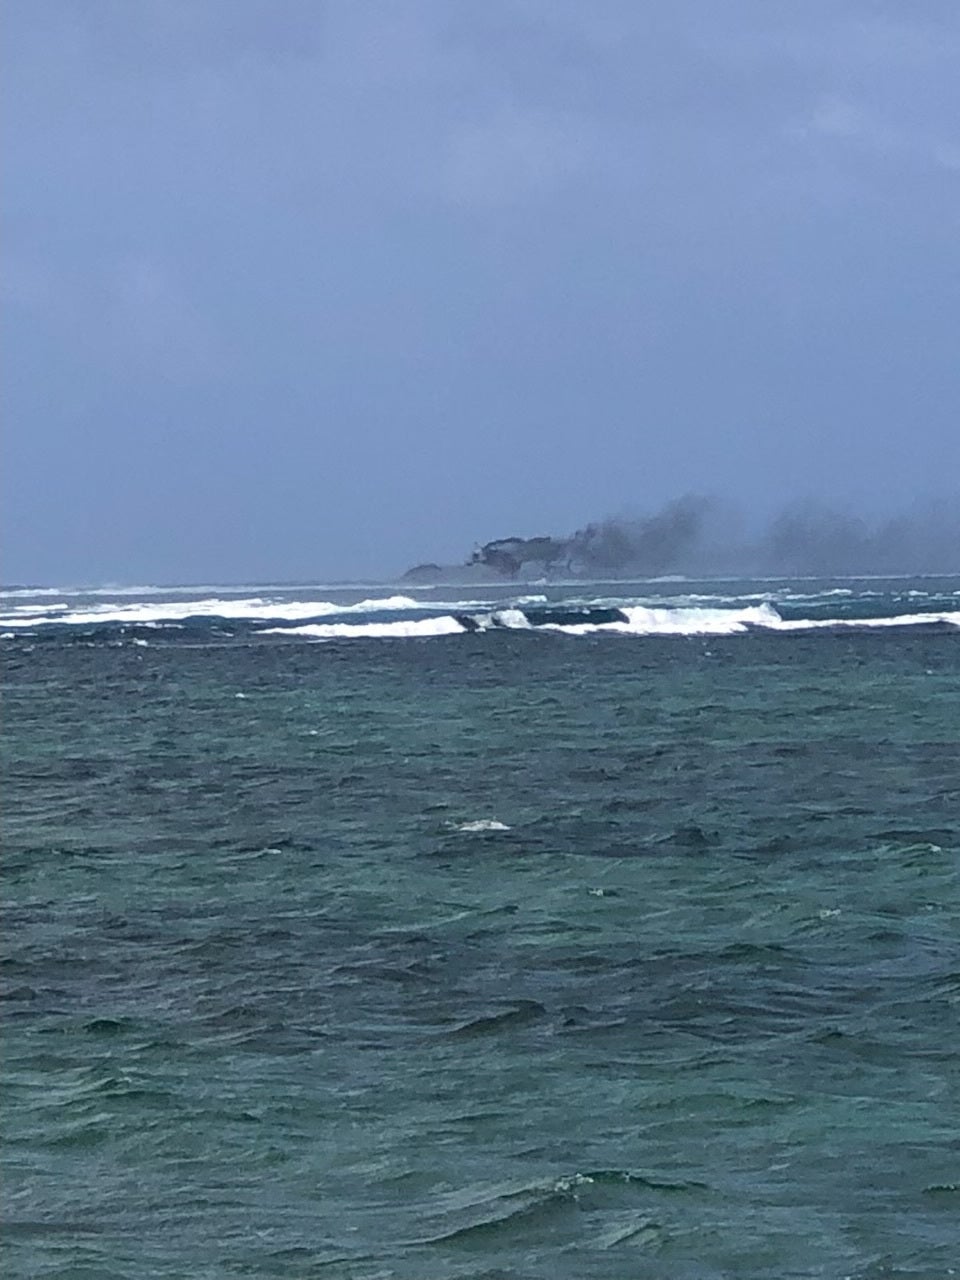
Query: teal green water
282, 1001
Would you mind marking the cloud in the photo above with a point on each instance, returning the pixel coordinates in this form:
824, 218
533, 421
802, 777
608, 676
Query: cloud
26, 284
518, 155
836, 118
715, 241
131, 309
150, 312
842, 122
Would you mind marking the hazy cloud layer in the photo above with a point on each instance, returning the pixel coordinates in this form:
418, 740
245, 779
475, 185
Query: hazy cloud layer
302, 289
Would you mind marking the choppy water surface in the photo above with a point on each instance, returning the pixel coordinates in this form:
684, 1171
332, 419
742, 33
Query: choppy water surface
535, 950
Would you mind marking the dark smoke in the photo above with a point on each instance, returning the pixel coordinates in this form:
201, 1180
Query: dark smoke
652, 546
697, 535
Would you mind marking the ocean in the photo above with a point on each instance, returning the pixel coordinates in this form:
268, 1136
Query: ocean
572, 930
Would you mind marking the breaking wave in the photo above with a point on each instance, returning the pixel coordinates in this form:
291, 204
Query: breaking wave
630, 621
641, 621
254, 609
443, 626
951, 619
348, 614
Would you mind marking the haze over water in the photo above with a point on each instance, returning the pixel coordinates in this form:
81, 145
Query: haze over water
301, 291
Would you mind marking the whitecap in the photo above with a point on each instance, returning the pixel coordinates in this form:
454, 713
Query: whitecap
36, 610
896, 620
252, 608
643, 621
388, 602
415, 627
26, 593
513, 619
481, 825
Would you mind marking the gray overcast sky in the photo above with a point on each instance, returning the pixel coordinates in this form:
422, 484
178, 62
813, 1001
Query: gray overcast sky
303, 289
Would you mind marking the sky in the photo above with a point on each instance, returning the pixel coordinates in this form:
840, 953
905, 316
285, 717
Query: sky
318, 289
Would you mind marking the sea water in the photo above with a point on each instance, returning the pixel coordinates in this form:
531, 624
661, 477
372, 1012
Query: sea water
580, 930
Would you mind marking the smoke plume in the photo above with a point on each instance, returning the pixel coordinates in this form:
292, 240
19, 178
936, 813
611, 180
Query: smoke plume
696, 535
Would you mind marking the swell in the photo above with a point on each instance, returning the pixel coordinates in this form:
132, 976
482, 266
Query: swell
612, 1206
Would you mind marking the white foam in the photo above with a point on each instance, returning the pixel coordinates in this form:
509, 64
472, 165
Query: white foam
725, 622
897, 620
482, 824
685, 615
38, 610
415, 627
387, 602
642, 621
514, 619
251, 609
27, 593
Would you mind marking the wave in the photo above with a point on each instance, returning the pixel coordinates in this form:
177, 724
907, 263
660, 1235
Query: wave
110, 593
28, 593
631, 621
950, 618
256, 609
38, 610
408, 629
403, 616
249, 609
609, 1208
198, 589
639, 620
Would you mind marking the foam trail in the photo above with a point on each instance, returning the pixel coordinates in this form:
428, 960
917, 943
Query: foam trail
419, 627
897, 620
481, 825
